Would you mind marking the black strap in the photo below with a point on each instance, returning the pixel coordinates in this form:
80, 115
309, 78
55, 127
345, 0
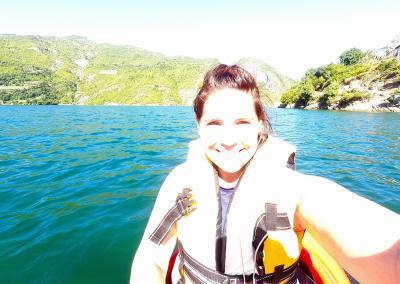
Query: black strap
200, 273
271, 220
280, 274
184, 204
220, 250
190, 264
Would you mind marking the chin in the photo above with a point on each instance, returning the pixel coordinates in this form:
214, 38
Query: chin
229, 163
229, 168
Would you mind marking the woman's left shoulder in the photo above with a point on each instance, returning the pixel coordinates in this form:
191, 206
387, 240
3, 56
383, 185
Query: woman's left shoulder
294, 185
300, 180
275, 152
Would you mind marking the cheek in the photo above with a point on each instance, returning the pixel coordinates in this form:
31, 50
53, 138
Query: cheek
209, 134
247, 136
204, 139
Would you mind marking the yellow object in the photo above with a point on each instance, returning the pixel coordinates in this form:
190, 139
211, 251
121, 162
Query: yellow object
276, 254
327, 267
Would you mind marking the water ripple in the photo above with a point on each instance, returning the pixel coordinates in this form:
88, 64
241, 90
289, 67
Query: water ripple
78, 183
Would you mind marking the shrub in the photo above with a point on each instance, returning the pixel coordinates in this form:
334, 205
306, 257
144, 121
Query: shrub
329, 94
305, 93
349, 97
290, 96
389, 68
351, 56
323, 72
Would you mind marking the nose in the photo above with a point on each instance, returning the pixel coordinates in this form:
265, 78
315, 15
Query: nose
228, 140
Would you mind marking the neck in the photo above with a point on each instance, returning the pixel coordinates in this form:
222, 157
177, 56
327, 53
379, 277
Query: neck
228, 180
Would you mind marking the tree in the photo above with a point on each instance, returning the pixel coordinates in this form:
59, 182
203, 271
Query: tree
290, 96
351, 56
306, 91
329, 94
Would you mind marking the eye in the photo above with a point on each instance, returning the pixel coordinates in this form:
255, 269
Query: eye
243, 122
214, 122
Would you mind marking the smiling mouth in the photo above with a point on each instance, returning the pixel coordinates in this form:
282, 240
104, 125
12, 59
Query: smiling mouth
219, 151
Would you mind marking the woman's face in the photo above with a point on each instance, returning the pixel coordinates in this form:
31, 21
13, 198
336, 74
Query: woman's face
229, 129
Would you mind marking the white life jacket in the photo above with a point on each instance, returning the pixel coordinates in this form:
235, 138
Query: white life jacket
258, 238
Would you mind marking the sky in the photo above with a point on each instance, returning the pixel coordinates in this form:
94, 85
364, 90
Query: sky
290, 35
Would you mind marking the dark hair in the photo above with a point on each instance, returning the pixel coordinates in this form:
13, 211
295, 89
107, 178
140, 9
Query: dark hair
235, 77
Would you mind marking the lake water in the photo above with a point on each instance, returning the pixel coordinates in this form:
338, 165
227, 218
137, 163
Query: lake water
77, 184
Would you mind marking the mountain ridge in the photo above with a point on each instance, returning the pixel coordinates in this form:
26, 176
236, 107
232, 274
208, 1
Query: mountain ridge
75, 70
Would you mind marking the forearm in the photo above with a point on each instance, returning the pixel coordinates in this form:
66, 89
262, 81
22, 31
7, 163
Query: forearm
144, 270
379, 268
151, 258
369, 260
361, 235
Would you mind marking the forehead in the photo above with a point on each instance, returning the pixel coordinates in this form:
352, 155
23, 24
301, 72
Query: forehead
229, 103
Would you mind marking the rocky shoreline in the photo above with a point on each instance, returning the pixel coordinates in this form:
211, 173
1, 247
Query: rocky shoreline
379, 97
361, 106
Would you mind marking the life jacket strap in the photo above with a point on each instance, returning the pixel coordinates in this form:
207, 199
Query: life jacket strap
200, 273
270, 221
184, 204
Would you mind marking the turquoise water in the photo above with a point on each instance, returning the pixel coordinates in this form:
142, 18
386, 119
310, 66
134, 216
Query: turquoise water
78, 183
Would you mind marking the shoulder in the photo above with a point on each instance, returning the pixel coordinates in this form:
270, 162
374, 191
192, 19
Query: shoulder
311, 181
299, 187
178, 174
310, 186
278, 144
315, 186
276, 151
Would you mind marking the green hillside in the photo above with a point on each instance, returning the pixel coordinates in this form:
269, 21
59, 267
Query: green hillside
361, 81
75, 70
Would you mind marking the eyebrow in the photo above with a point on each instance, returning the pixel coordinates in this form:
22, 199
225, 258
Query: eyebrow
212, 119
245, 118
220, 120
240, 118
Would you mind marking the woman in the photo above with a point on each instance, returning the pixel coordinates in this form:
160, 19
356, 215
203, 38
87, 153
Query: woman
238, 213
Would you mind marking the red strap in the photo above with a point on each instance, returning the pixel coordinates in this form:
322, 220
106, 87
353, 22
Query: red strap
306, 259
168, 279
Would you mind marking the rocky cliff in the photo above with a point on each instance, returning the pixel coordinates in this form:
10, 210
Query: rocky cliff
367, 81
